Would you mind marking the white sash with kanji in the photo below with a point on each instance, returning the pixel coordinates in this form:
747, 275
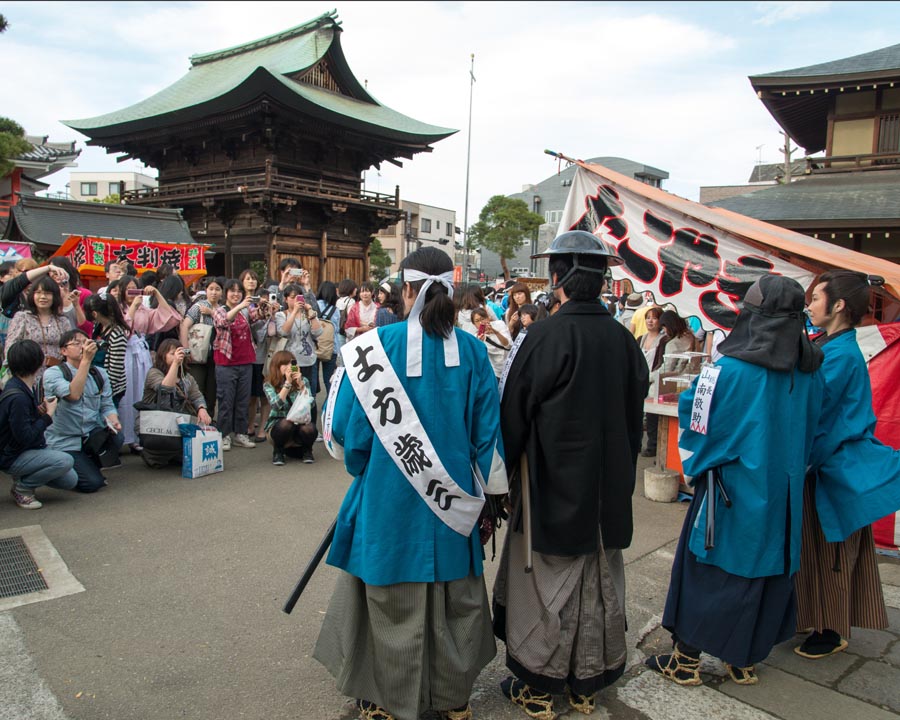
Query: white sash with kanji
403, 436
331, 445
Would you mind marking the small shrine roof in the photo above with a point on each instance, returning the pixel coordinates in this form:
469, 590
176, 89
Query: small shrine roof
47, 221
858, 197
227, 79
884, 60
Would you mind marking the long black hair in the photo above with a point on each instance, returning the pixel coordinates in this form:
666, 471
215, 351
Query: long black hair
327, 293
107, 307
438, 314
66, 264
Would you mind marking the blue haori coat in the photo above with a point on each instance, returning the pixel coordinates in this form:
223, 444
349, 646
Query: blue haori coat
858, 477
385, 534
760, 432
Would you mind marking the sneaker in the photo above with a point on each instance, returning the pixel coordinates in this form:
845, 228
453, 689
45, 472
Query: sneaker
320, 438
278, 457
243, 441
226, 443
25, 500
308, 457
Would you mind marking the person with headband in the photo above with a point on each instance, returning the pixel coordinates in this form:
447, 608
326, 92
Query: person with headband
416, 411
748, 424
564, 621
854, 480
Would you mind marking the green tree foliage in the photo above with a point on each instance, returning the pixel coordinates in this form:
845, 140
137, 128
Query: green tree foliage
503, 226
4, 25
12, 144
113, 199
379, 260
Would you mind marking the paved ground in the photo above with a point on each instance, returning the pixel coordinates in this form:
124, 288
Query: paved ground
181, 614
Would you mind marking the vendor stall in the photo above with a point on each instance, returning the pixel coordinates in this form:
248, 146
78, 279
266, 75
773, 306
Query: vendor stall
90, 254
703, 260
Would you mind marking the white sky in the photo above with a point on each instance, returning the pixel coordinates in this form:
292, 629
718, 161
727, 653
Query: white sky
660, 83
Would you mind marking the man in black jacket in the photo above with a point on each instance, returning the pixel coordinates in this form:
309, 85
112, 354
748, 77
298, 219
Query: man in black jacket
572, 404
23, 451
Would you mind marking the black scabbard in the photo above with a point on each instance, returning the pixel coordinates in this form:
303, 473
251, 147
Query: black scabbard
310, 568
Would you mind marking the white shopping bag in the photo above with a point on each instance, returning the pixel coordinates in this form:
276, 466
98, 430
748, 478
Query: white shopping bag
162, 422
202, 454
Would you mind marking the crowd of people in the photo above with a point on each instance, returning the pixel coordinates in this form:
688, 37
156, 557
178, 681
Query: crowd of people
230, 352
481, 410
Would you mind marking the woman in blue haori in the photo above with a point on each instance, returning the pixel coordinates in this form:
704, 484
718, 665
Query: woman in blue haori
732, 593
854, 480
417, 413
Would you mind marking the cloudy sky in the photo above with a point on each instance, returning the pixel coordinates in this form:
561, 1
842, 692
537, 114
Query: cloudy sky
662, 83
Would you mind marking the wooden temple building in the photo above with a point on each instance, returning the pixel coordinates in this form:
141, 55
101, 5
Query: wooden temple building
846, 115
263, 146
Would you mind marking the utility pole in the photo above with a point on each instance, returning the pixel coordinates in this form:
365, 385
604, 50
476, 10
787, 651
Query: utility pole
788, 151
468, 158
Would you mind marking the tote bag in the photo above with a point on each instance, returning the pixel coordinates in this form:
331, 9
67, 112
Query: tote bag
199, 342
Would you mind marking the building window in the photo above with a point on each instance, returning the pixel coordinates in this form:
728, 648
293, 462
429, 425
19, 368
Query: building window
88, 188
426, 225
115, 188
437, 224
390, 230
552, 216
449, 227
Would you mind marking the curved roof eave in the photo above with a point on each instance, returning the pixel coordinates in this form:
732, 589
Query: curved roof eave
382, 122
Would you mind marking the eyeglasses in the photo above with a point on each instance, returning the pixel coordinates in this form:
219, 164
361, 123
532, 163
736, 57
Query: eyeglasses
76, 343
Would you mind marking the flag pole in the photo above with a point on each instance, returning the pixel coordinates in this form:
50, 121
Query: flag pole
468, 158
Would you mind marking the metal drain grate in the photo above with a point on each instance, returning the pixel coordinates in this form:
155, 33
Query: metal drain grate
19, 574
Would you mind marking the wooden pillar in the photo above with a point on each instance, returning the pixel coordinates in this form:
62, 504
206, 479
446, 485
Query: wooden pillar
323, 256
366, 270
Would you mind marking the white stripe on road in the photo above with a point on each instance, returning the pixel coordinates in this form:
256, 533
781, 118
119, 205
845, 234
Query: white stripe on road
23, 694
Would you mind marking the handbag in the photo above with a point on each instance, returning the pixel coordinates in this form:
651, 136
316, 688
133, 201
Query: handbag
300, 414
199, 342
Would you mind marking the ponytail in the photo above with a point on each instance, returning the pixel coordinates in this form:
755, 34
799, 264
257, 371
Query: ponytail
438, 313
851, 287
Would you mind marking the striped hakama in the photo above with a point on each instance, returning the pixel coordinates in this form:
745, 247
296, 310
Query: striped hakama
563, 623
408, 647
838, 585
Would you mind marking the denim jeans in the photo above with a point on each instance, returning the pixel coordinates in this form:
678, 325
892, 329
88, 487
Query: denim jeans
36, 468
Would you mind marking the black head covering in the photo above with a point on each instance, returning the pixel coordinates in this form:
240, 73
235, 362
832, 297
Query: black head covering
770, 330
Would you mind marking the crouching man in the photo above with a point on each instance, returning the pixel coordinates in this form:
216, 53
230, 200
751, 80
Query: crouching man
23, 451
86, 425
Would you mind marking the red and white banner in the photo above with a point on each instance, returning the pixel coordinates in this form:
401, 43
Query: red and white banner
11, 252
703, 270
90, 255
880, 346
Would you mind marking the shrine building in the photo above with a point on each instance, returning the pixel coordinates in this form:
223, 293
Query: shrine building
263, 146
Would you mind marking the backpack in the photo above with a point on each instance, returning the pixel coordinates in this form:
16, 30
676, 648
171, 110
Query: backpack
94, 373
343, 323
325, 341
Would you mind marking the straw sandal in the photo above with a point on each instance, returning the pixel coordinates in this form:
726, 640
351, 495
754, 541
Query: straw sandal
370, 711
820, 645
464, 713
742, 675
678, 667
584, 704
534, 704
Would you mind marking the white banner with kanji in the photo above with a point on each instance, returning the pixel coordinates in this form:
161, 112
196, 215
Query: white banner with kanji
703, 270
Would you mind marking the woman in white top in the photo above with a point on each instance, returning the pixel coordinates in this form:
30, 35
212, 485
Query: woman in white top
495, 336
361, 317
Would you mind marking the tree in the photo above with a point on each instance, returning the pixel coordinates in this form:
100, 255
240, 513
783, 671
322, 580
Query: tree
113, 199
503, 226
3, 24
379, 260
12, 144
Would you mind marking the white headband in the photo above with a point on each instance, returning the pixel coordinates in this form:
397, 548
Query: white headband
414, 327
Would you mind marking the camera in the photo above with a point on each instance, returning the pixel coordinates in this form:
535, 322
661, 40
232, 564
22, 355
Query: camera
273, 298
133, 292
254, 299
296, 272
